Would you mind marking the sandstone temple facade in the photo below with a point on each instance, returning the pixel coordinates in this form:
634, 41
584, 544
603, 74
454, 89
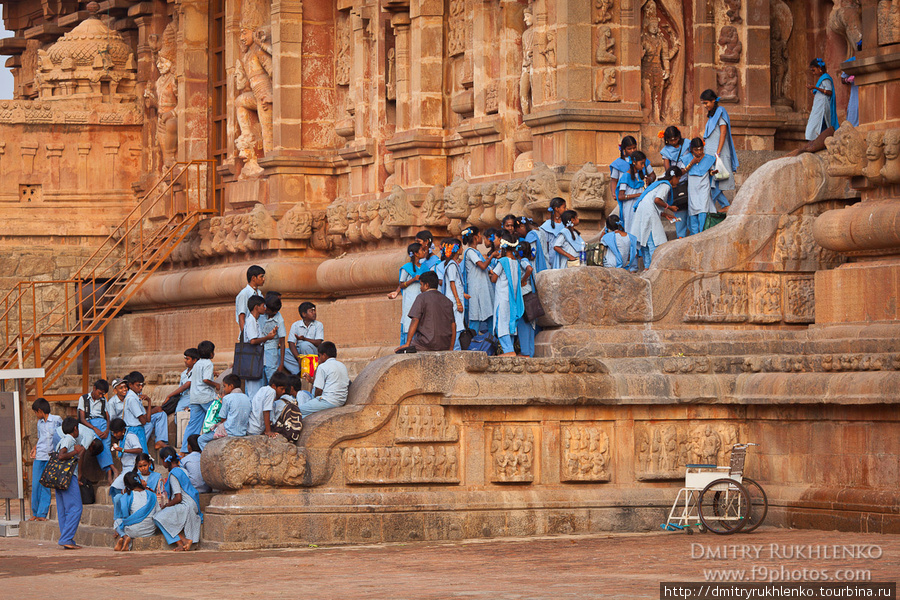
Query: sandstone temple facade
316, 137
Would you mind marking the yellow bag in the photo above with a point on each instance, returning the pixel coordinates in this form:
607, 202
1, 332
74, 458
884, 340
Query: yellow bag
308, 364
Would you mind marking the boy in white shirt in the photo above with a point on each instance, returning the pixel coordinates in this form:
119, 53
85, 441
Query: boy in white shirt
234, 414
304, 337
256, 277
331, 383
128, 447
253, 335
40, 454
203, 390
270, 321
153, 421
183, 391
262, 405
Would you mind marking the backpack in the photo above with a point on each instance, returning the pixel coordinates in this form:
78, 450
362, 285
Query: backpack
484, 342
87, 405
594, 254
289, 423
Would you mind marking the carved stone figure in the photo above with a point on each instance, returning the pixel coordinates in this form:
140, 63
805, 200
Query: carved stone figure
162, 98
253, 82
727, 80
433, 207
513, 458
781, 24
658, 48
607, 88
733, 11
354, 233
384, 213
589, 188
540, 187
845, 21
260, 224
525, 80
846, 152
233, 462
342, 62
475, 206
336, 215
320, 239
548, 51
456, 199
604, 11
731, 44
606, 43
489, 214
585, 453
492, 97
296, 224
891, 169
390, 80
369, 221
874, 155
456, 34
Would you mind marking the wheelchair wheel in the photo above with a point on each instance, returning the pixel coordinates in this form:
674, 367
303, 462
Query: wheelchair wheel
759, 504
724, 506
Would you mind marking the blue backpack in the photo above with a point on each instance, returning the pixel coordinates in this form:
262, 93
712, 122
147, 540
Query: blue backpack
484, 342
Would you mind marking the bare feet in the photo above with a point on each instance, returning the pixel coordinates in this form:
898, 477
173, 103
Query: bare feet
508, 354
160, 445
120, 543
71, 547
186, 545
40, 518
178, 547
126, 546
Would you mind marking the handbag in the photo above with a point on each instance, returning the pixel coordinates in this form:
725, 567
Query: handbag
533, 307
722, 170
248, 360
58, 473
87, 493
680, 195
212, 416
713, 219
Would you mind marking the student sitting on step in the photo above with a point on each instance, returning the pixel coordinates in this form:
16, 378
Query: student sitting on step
134, 512
40, 454
234, 415
153, 481
330, 385
180, 519
262, 405
127, 446
144, 423
183, 391
191, 462
92, 413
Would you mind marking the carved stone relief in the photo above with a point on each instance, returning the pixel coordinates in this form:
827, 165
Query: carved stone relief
728, 80
424, 424
781, 25
888, 22
660, 44
456, 35
540, 187
874, 155
794, 241
161, 98
606, 45
253, 82
845, 21
342, 61
296, 224
585, 453
525, 79
603, 13
407, 464
233, 462
846, 152
764, 304
799, 299
890, 172
513, 453
731, 44
433, 207
664, 449
756, 297
492, 97
719, 299
589, 188
733, 11
390, 80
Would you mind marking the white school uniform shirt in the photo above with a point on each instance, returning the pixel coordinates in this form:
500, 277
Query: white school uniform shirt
134, 409
240, 302
313, 331
524, 263
267, 324
115, 407
333, 380
202, 393
263, 400
93, 408
191, 466
45, 429
452, 273
251, 330
129, 442
700, 194
561, 241
83, 437
646, 221
623, 243
185, 377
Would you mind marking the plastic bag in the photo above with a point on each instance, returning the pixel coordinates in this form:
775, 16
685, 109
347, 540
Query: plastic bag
722, 170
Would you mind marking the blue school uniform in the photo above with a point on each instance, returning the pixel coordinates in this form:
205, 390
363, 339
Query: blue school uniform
68, 501
138, 523
271, 350
202, 395
711, 135
508, 304
409, 294
823, 113
41, 496
679, 157
452, 274
540, 259
94, 413
526, 331
480, 290
610, 239
701, 187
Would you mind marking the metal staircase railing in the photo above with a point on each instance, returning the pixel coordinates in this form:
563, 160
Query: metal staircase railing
50, 324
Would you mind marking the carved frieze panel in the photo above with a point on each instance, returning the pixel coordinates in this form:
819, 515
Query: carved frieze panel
585, 452
663, 449
753, 298
722, 299
512, 452
794, 241
764, 302
398, 465
424, 424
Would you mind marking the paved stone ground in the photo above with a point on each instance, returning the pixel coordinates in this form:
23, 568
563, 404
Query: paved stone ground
626, 566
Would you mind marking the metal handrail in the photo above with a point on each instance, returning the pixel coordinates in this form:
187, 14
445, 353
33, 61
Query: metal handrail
110, 276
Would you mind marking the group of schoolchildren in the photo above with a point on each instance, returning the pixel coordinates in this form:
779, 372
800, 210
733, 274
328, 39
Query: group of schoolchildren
488, 288
120, 425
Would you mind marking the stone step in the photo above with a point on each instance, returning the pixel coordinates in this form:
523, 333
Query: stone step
95, 515
88, 535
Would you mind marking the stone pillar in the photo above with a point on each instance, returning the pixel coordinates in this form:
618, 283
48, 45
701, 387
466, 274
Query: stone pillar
146, 70
288, 75
400, 22
84, 149
110, 150
29, 150
54, 152
193, 85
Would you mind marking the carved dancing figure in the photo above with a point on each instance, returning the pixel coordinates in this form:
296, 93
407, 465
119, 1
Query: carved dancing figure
604, 11
527, 62
657, 53
253, 82
163, 98
731, 44
781, 24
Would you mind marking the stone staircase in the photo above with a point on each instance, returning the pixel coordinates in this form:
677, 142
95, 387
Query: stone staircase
96, 525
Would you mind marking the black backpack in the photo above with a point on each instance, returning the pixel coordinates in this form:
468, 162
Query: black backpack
290, 422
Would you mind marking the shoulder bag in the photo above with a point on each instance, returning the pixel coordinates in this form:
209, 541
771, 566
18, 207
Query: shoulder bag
58, 473
248, 359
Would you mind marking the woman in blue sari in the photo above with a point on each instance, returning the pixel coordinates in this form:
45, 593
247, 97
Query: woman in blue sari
718, 141
134, 511
823, 113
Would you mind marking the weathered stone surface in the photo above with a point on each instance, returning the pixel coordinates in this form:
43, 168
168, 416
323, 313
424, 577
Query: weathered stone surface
231, 463
593, 295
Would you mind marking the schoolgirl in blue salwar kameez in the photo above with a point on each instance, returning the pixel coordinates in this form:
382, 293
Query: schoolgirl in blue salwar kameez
508, 304
409, 284
133, 512
179, 520
676, 152
525, 330
479, 289
823, 113
550, 228
631, 185
718, 141
452, 284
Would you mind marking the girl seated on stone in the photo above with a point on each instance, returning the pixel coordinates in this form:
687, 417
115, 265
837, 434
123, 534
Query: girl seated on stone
179, 520
568, 243
134, 511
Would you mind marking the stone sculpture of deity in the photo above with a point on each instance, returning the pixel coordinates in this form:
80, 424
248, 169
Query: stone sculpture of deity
527, 62
163, 98
253, 82
657, 52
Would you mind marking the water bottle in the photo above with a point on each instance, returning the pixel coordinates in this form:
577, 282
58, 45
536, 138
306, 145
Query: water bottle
582, 258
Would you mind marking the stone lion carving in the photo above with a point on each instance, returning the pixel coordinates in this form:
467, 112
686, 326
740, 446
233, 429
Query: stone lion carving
231, 463
540, 187
891, 169
261, 225
456, 199
846, 152
353, 234
874, 155
336, 215
399, 209
434, 207
320, 237
589, 188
